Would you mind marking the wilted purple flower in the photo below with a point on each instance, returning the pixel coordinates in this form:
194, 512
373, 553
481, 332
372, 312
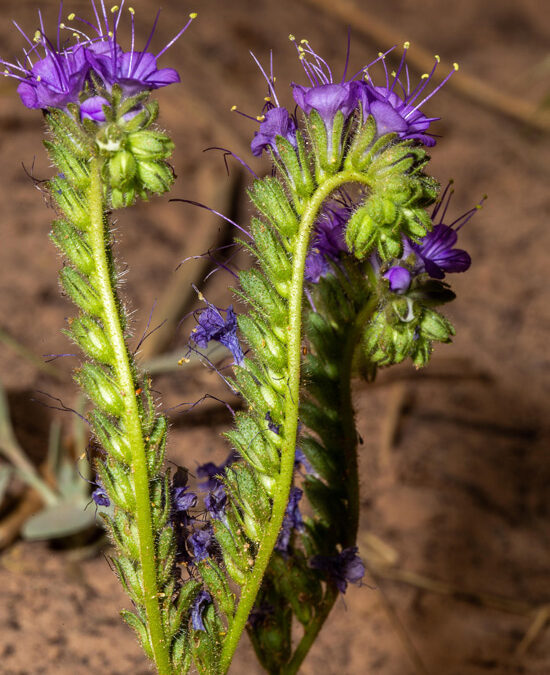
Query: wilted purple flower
400, 279
399, 111
211, 471
201, 541
212, 326
346, 567
300, 460
200, 605
100, 496
292, 520
215, 502
328, 242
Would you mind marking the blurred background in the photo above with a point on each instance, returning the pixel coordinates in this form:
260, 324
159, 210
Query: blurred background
455, 467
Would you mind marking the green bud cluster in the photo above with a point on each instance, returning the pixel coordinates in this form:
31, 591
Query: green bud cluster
407, 325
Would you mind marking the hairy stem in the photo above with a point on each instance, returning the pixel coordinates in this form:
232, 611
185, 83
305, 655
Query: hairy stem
98, 238
347, 417
289, 432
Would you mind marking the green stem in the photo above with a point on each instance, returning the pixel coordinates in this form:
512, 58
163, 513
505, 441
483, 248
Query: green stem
130, 418
347, 417
280, 499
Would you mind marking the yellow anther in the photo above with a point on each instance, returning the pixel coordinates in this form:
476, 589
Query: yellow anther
37, 36
201, 297
455, 66
193, 15
39, 78
267, 99
110, 33
260, 118
114, 8
292, 38
76, 35
381, 55
6, 71
437, 58
302, 56
393, 73
71, 16
406, 45
424, 76
300, 49
131, 10
304, 41
62, 26
233, 108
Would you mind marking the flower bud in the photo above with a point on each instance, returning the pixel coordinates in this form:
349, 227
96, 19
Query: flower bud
122, 169
150, 145
91, 338
156, 177
101, 388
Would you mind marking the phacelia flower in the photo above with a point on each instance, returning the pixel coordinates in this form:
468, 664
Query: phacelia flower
58, 77
100, 496
292, 520
324, 95
201, 542
212, 326
275, 121
346, 567
396, 108
215, 503
400, 279
436, 253
328, 242
213, 472
49, 76
200, 605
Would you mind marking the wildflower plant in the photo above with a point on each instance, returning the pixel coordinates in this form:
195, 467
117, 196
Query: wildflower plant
349, 277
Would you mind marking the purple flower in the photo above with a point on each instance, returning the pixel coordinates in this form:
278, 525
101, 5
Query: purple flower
212, 326
300, 460
200, 605
274, 122
292, 520
215, 502
436, 253
396, 108
328, 242
212, 471
100, 496
346, 567
182, 500
275, 428
201, 541
53, 80
400, 279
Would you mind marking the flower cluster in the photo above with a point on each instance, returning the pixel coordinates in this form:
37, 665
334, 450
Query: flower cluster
395, 107
53, 75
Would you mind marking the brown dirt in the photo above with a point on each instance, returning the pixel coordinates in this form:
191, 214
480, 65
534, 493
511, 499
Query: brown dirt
460, 491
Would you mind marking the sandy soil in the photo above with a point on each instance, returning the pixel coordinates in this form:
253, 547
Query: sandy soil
457, 491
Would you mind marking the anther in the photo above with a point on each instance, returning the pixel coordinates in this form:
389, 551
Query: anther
381, 55
304, 41
267, 99
406, 45
292, 38
193, 15
110, 33
233, 108
455, 66
37, 36
131, 10
114, 8
71, 16
437, 58
62, 26
260, 118
424, 76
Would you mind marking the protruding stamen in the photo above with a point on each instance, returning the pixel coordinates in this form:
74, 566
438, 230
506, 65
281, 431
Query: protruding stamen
71, 17
233, 108
406, 45
193, 15
455, 66
114, 9
292, 38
